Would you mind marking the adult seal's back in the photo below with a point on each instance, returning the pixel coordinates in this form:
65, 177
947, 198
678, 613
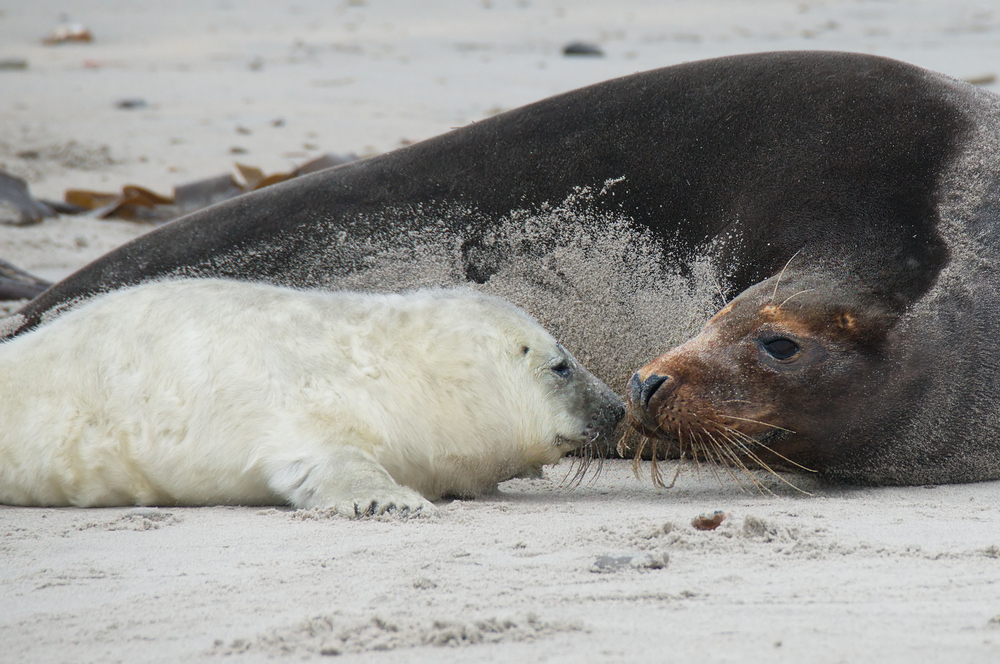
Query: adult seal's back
624, 214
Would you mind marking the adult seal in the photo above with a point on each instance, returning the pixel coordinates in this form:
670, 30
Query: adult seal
207, 392
624, 214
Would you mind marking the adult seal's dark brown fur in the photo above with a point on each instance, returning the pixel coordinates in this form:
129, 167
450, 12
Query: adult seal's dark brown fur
623, 214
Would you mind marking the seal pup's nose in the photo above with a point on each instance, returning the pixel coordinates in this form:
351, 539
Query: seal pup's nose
641, 391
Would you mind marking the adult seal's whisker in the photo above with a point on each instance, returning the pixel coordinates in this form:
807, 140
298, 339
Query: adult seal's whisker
749, 453
747, 419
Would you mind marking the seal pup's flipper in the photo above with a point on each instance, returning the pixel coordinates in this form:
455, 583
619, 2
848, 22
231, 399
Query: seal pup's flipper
349, 480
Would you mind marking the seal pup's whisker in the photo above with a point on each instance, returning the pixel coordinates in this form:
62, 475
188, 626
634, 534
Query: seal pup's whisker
580, 465
572, 477
598, 451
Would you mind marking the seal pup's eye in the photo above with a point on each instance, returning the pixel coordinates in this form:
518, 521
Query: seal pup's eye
562, 369
524, 350
780, 348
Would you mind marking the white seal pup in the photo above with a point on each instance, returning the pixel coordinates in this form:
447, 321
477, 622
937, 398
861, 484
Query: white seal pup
209, 392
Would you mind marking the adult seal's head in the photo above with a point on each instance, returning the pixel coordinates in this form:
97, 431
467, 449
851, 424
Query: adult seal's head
817, 371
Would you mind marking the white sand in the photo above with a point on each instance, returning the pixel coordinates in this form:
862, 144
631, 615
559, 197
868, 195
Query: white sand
877, 575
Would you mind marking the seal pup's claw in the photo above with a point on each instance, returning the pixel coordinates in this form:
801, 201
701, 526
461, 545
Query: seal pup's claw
404, 503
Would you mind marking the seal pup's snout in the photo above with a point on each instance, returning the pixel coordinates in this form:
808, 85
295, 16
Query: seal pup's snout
640, 391
606, 410
607, 417
618, 412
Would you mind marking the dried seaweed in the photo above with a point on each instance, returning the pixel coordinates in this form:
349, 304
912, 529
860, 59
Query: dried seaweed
136, 203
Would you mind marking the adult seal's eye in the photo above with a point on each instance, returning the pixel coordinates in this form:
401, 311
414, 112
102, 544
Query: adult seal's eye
563, 370
780, 348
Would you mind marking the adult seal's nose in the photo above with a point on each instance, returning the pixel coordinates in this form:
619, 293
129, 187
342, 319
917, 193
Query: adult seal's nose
641, 391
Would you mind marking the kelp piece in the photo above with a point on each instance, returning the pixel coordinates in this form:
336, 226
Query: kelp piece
134, 203
140, 204
256, 179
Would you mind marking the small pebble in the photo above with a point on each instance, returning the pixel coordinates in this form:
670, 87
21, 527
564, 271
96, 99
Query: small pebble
583, 48
642, 561
708, 520
128, 104
69, 32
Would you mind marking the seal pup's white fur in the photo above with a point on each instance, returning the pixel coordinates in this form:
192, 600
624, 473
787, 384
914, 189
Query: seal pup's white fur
202, 392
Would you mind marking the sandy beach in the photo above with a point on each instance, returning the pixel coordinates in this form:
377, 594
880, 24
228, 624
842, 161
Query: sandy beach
608, 571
